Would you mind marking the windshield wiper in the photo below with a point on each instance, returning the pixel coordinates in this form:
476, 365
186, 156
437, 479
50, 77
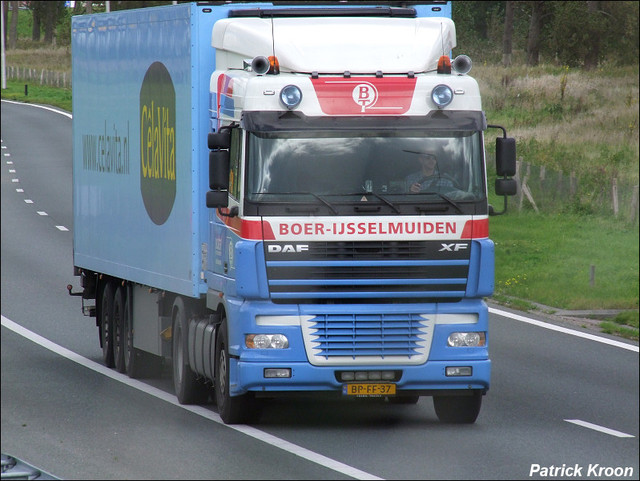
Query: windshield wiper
324, 201
448, 199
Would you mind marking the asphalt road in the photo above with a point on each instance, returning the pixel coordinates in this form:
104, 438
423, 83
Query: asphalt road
557, 399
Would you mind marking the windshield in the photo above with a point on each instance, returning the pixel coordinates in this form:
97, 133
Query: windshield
399, 166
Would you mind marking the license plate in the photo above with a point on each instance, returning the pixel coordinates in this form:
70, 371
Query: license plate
369, 389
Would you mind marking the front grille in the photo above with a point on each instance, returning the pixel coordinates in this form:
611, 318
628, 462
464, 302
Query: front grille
332, 339
356, 272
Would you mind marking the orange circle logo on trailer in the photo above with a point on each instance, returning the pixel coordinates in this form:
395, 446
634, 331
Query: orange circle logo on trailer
158, 143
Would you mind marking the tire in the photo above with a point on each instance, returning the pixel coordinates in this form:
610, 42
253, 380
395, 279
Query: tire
118, 328
189, 389
458, 409
106, 324
241, 409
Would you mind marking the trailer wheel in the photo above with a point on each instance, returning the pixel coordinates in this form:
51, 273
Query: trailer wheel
130, 361
106, 324
118, 329
241, 409
458, 409
188, 388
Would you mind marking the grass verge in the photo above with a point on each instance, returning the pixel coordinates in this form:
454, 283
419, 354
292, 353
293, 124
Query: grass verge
37, 94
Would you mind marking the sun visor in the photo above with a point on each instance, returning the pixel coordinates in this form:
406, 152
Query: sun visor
268, 121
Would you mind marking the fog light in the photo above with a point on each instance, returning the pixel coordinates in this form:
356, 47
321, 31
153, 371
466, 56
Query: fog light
388, 375
466, 339
278, 372
266, 341
362, 376
458, 371
347, 376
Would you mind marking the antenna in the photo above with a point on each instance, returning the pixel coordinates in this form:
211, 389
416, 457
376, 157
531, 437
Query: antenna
442, 39
273, 39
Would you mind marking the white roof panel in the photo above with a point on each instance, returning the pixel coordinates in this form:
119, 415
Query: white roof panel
338, 44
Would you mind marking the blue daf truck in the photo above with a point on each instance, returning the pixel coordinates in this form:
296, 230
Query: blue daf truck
281, 199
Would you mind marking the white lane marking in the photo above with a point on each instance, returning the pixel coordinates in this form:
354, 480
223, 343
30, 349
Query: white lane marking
572, 332
61, 112
66, 114
9, 162
28, 201
198, 410
601, 429
12, 171
41, 212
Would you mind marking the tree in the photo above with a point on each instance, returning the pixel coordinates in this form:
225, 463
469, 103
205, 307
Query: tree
37, 14
507, 38
51, 14
535, 29
592, 56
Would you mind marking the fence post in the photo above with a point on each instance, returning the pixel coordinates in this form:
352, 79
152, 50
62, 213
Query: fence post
614, 193
518, 178
633, 212
572, 185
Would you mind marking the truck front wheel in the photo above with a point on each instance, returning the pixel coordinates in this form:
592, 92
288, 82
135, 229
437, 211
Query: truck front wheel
458, 409
189, 389
241, 409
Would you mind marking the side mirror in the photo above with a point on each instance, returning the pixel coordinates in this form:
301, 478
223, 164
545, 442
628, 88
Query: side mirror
219, 140
505, 156
217, 199
506, 187
505, 167
219, 169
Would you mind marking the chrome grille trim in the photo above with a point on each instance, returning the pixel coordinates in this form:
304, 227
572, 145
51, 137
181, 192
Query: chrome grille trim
365, 339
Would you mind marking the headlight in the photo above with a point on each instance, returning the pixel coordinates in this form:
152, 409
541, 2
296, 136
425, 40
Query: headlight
291, 96
442, 95
466, 339
266, 341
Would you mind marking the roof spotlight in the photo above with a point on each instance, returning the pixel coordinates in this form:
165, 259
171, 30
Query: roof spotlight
291, 96
442, 95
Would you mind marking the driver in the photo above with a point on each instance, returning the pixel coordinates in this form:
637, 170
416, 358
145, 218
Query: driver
428, 178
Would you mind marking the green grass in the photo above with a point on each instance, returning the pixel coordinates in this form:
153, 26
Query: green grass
38, 94
548, 259
624, 324
617, 330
